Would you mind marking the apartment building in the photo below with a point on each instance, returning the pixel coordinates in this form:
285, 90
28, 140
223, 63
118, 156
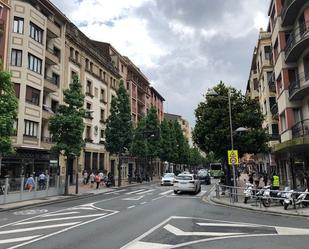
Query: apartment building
289, 24
156, 100
4, 31
185, 126
36, 60
261, 86
100, 81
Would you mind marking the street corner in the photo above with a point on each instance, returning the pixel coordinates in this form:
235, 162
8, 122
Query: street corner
183, 231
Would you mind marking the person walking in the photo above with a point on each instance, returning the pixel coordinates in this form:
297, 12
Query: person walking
101, 178
92, 179
265, 179
42, 181
30, 183
97, 180
85, 175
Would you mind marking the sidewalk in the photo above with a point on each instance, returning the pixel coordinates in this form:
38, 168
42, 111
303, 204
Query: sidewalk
84, 191
276, 209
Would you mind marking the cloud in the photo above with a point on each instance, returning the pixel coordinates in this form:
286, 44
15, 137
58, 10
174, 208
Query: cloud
183, 46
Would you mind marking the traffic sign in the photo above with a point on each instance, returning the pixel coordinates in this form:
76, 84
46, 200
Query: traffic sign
233, 157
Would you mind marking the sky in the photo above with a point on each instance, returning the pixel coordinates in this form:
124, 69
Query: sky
184, 47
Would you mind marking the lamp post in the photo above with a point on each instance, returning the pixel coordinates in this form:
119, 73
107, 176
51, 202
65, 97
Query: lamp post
213, 93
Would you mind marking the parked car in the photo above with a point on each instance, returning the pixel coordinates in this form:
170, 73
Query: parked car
187, 183
168, 179
204, 176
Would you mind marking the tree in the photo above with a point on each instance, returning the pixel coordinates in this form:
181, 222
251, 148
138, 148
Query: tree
166, 149
67, 126
212, 129
181, 147
119, 126
8, 114
195, 158
152, 134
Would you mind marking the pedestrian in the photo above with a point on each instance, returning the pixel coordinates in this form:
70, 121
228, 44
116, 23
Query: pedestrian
97, 180
30, 183
101, 178
275, 182
307, 179
265, 179
85, 177
251, 178
42, 181
92, 179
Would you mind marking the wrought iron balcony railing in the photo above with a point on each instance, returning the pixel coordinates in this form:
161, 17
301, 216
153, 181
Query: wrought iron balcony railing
301, 129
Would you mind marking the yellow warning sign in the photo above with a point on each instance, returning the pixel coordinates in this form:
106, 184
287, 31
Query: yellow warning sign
233, 157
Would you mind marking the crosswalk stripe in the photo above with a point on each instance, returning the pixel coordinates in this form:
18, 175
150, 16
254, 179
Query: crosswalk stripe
59, 214
37, 228
20, 239
133, 192
166, 192
147, 191
225, 225
57, 219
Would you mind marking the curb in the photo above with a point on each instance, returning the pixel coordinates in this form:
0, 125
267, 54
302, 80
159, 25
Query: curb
71, 198
216, 201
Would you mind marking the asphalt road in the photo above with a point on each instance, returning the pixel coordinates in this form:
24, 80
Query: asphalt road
148, 216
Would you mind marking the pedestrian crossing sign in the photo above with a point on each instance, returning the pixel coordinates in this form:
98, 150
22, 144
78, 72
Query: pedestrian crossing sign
233, 157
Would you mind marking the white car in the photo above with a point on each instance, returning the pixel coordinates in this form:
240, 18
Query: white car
168, 179
187, 183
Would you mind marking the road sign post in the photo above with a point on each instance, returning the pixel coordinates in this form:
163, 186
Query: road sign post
233, 160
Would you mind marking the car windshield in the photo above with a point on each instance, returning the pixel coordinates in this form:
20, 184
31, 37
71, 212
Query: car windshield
169, 175
184, 177
202, 172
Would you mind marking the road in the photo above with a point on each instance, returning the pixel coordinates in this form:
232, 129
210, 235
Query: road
148, 216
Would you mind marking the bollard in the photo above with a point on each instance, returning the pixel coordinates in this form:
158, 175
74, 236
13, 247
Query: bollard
217, 191
22, 180
47, 185
6, 189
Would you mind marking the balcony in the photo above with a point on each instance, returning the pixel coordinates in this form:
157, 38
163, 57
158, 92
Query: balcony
301, 129
88, 114
50, 84
290, 11
53, 31
47, 142
274, 137
297, 43
75, 61
88, 140
299, 88
51, 57
271, 84
47, 112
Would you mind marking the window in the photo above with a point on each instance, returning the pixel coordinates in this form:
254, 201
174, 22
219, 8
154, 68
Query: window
121, 68
55, 78
87, 63
88, 87
91, 67
275, 129
76, 56
18, 25
101, 73
31, 128
88, 106
16, 57
88, 132
73, 74
54, 105
267, 51
255, 84
36, 33
17, 89
102, 117
283, 122
32, 95
102, 134
15, 127
34, 64
297, 115
102, 98
71, 52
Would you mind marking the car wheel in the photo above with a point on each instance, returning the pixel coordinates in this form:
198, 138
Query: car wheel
175, 192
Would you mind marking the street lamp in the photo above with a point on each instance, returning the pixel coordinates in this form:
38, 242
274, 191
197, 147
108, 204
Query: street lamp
213, 93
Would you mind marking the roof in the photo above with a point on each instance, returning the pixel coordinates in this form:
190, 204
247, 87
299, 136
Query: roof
170, 116
157, 93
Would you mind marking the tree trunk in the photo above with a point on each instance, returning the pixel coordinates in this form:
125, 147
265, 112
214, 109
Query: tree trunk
66, 182
119, 171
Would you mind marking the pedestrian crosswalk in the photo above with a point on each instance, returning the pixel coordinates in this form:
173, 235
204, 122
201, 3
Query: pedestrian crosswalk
26, 231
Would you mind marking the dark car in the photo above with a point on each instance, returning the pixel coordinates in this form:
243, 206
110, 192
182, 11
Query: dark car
204, 176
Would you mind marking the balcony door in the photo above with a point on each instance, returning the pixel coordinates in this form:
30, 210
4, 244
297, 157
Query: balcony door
297, 115
306, 66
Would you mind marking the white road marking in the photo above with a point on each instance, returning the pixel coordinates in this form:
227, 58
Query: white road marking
147, 191
142, 203
131, 207
166, 192
201, 193
115, 192
291, 231
226, 225
135, 241
134, 198
20, 239
67, 213
61, 231
179, 232
133, 192
147, 245
80, 207
160, 197
21, 230
57, 219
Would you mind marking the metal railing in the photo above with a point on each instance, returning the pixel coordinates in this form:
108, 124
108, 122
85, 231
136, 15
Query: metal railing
48, 140
301, 128
52, 80
296, 36
295, 84
286, 5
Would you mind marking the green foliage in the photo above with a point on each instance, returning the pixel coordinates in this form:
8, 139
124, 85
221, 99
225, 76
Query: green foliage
67, 125
166, 150
212, 129
8, 112
153, 133
119, 125
195, 158
181, 144
139, 144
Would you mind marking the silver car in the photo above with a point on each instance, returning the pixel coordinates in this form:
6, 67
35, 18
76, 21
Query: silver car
187, 183
168, 179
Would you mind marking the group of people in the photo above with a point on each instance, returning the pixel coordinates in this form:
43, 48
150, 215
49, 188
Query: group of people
255, 178
30, 182
100, 179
